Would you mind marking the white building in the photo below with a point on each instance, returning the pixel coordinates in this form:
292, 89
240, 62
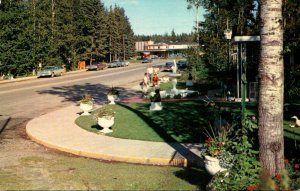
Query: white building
148, 48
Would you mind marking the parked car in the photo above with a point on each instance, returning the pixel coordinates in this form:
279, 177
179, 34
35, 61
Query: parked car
146, 60
96, 66
154, 57
124, 63
167, 66
50, 71
182, 63
115, 63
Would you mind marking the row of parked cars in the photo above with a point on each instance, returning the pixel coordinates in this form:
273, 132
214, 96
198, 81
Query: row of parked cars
181, 64
52, 71
101, 66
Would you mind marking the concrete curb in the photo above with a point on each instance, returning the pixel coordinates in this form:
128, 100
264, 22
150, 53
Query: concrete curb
33, 77
63, 134
109, 157
3, 122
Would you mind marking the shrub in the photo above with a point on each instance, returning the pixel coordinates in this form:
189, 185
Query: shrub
87, 99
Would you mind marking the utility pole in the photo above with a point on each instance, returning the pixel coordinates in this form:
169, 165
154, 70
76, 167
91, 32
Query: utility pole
124, 47
53, 15
110, 48
196, 4
228, 34
91, 50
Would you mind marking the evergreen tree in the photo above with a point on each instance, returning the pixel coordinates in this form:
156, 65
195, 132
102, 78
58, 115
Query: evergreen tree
15, 38
57, 32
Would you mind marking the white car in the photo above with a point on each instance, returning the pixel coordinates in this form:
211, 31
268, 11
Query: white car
124, 63
114, 64
50, 71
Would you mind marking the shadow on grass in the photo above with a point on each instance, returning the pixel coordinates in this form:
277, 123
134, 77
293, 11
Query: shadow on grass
178, 121
160, 131
154, 119
194, 176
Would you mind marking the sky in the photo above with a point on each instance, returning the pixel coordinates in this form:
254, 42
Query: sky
149, 17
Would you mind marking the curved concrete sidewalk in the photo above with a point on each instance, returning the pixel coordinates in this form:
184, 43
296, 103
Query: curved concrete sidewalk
58, 130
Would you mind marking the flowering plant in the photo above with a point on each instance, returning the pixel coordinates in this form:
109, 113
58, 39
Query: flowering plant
287, 179
104, 112
113, 91
87, 99
216, 145
239, 141
293, 168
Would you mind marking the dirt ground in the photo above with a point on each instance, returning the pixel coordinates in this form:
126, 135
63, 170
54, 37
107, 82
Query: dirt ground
15, 143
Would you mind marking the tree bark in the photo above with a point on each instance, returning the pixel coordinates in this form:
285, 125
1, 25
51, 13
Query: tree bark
271, 72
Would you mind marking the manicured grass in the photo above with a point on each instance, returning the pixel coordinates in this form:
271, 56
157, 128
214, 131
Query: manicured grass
291, 132
177, 122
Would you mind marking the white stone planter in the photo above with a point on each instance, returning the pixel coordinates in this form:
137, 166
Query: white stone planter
106, 124
155, 106
86, 108
163, 94
112, 98
165, 79
212, 165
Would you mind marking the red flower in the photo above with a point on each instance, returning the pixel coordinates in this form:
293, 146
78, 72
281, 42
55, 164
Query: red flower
252, 187
208, 140
286, 161
297, 166
278, 177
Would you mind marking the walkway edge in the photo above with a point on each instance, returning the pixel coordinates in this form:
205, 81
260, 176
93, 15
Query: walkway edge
108, 157
57, 130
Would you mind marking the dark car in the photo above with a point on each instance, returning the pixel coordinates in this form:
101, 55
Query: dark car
182, 63
167, 66
146, 60
96, 66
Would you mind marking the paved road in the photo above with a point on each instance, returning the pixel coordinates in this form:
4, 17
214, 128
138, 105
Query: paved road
29, 99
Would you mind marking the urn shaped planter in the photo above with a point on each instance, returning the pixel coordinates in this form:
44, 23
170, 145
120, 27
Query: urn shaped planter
106, 123
86, 108
112, 98
212, 165
155, 106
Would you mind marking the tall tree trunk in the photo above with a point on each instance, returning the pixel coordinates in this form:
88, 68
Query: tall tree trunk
52, 16
271, 73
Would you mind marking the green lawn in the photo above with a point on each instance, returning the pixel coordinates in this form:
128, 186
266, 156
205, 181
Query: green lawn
178, 121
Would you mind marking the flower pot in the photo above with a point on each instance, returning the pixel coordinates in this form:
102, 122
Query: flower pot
106, 123
155, 106
112, 98
86, 108
212, 165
